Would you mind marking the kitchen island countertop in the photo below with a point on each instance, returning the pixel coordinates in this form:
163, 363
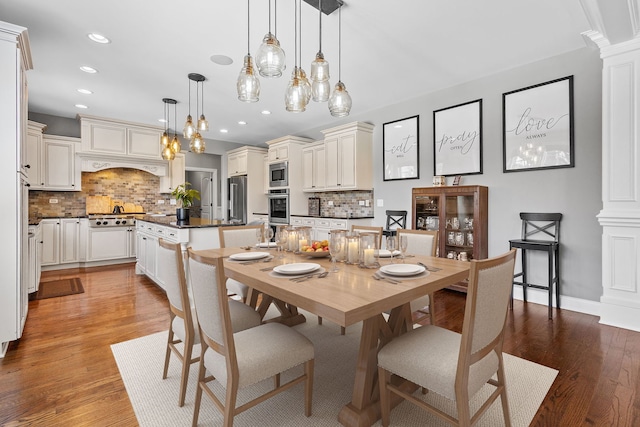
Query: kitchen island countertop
170, 220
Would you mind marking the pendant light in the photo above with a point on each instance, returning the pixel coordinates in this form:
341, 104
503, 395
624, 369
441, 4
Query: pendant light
197, 143
270, 58
248, 85
320, 87
295, 97
175, 142
164, 139
189, 128
340, 101
203, 124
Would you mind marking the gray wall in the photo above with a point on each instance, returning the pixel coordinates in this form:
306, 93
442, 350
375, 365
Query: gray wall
575, 192
62, 126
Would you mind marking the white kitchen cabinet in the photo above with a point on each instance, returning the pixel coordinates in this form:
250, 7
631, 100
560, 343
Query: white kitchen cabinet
265, 174
176, 174
313, 165
237, 163
349, 157
60, 241
110, 243
119, 138
60, 171
35, 252
322, 226
278, 152
33, 164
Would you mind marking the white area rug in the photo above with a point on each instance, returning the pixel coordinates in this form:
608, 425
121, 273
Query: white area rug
155, 401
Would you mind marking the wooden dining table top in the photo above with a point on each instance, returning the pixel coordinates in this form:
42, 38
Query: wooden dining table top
348, 296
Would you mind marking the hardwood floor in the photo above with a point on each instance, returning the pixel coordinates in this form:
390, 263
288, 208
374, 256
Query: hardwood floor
62, 371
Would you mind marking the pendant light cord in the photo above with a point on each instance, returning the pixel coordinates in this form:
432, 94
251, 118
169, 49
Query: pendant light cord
189, 96
340, 43
275, 18
175, 120
269, 16
248, 23
320, 27
295, 38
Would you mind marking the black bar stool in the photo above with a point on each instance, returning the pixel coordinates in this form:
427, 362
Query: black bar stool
395, 219
540, 232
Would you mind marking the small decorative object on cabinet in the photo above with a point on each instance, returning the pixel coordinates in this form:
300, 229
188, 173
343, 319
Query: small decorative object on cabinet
460, 214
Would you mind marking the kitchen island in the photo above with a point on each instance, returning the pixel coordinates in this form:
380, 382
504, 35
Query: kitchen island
197, 233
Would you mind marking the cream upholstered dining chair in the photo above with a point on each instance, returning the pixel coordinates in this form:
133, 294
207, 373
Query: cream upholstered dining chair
183, 326
236, 236
456, 365
420, 242
240, 359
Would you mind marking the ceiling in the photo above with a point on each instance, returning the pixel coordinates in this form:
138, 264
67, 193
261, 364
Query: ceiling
388, 54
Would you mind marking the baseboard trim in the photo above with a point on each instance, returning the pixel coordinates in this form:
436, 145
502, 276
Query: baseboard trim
541, 297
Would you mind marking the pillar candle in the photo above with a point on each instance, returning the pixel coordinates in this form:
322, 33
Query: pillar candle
292, 241
369, 258
301, 243
352, 253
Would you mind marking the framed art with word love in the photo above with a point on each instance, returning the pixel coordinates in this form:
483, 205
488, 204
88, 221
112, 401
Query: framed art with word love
401, 149
538, 126
457, 139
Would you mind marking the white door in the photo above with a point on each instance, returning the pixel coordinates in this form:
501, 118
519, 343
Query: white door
206, 196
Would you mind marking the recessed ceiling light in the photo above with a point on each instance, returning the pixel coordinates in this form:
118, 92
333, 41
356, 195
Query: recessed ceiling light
85, 91
162, 120
221, 59
242, 122
98, 38
266, 112
397, 126
223, 131
88, 69
81, 106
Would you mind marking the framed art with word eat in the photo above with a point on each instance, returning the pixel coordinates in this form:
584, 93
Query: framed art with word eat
401, 149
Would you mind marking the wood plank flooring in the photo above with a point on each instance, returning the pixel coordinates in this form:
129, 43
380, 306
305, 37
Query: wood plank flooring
62, 371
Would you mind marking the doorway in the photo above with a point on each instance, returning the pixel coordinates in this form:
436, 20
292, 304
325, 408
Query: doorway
205, 181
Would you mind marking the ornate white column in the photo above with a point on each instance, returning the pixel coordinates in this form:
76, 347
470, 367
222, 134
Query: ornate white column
620, 215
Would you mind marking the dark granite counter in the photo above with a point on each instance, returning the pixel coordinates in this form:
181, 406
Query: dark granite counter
333, 217
170, 220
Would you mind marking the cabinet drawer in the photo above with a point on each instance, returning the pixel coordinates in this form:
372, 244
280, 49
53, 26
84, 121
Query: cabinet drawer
324, 223
339, 224
296, 221
309, 222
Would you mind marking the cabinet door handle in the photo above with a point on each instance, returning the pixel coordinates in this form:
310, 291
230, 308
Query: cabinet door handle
27, 166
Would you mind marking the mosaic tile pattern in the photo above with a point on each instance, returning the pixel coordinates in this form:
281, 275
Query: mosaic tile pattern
345, 203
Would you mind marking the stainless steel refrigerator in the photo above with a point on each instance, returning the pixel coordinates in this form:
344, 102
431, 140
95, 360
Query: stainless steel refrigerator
237, 191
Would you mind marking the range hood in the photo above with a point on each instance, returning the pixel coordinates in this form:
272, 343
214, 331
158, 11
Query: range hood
92, 162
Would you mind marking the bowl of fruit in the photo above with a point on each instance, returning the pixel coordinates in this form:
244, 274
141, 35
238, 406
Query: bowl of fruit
316, 249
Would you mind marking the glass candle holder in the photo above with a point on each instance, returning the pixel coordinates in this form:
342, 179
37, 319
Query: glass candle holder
367, 249
292, 239
304, 238
353, 249
341, 255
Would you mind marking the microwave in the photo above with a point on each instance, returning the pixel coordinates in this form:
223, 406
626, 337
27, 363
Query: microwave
278, 175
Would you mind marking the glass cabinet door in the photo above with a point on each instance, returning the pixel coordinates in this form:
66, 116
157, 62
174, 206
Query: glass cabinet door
427, 213
459, 217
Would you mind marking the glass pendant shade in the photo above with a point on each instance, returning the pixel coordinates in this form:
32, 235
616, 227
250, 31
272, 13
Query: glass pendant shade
306, 86
294, 96
168, 154
270, 58
320, 91
203, 124
197, 144
175, 145
164, 139
189, 129
319, 69
248, 84
340, 101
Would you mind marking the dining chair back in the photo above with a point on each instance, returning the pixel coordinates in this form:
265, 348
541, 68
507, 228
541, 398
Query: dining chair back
454, 365
395, 219
241, 359
236, 236
369, 229
421, 242
183, 323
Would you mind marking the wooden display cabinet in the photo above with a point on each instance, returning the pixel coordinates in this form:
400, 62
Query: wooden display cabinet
459, 214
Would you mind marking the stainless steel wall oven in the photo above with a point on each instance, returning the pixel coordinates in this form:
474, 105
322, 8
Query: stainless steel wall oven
278, 206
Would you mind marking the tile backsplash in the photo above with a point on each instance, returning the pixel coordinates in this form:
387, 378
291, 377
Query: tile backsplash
129, 185
345, 203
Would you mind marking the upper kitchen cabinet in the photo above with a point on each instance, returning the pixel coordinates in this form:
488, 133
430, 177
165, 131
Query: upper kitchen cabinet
278, 152
106, 136
313, 164
245, 160
51, 160
33, 164
348, 151
176, 174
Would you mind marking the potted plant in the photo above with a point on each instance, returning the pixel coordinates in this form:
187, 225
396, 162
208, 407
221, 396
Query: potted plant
185, 195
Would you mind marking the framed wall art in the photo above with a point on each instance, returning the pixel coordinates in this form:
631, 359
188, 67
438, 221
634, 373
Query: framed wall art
401, 149
457, 139
538, 126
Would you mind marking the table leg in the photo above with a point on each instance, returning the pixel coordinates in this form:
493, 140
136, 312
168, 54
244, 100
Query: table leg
364, 408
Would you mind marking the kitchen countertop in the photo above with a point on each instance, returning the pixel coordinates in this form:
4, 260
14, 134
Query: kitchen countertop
170, 220
333, 217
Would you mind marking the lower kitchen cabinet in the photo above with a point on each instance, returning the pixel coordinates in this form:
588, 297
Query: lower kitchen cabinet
60, 241
320, 227
110, 243
35, 253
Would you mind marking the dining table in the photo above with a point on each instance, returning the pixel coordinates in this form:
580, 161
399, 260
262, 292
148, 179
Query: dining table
346, 297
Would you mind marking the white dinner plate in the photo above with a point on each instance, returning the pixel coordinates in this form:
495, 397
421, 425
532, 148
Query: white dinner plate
402, 269
387, 254
247, 256
266, 245
296, 268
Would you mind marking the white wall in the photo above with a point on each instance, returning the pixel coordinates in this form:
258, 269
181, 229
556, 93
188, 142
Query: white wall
575, 192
